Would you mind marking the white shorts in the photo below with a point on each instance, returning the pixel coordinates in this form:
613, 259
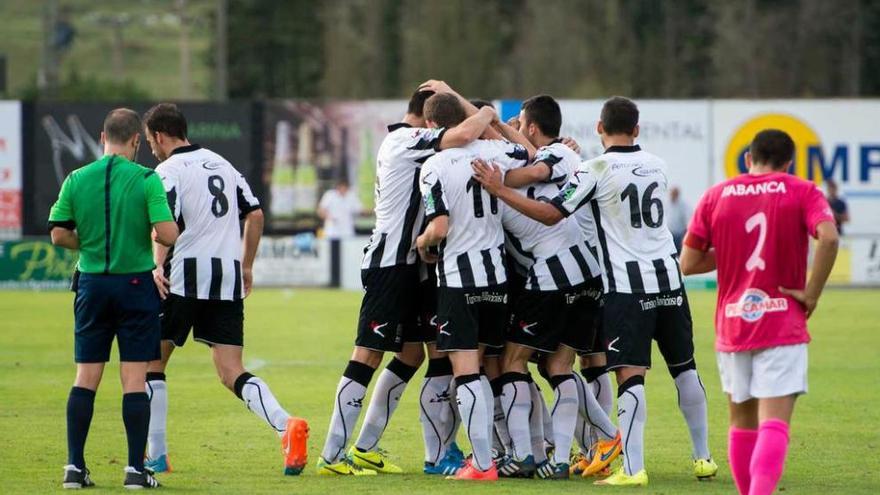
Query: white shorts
764, 373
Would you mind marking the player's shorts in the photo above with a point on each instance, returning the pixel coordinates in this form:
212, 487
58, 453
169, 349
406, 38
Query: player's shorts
122, 306
631, 321
764, 373
212, 321
468, 318
389, 309
542, 320
427, 304
598, 344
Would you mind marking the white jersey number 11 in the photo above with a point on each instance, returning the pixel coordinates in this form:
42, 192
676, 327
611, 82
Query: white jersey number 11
758, 220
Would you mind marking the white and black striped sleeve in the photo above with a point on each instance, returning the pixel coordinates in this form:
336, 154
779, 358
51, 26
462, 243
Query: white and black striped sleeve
431, 187
422, 143
171, 181
579, 190
247, 201
514, 156
548, 157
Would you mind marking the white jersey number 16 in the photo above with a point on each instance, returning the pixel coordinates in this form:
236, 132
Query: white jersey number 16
758, 220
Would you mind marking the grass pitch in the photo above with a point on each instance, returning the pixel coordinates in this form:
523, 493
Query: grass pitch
299, 342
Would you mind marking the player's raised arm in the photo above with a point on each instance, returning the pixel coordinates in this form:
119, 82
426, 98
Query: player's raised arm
514, 136
468, 131
490, 178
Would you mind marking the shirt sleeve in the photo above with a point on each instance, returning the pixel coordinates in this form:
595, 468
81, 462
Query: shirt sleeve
422, 143
157, 200
699, 233
433, 195
513, 156
247, 201
549, 158
61, 214
325, 200
578, 191
816, 210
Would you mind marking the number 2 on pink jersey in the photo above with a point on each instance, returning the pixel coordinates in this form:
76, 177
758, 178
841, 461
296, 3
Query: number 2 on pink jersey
758, 220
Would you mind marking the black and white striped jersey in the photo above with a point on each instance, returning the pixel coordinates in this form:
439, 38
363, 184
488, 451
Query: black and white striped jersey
398, 210
552, 257
625, 188
208, 197
563, 161
472, 255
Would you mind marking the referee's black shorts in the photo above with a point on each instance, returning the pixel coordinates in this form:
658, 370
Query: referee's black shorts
122, 306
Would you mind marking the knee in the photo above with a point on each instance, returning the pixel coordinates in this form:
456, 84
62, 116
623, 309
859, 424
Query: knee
368, 357
412, 355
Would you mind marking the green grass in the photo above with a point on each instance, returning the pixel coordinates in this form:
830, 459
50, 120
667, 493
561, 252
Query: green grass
304, 338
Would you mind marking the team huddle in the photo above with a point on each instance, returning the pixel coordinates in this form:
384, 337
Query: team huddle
496, 245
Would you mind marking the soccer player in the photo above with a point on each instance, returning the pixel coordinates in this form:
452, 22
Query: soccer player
389, 310
754, 229
107, 210
210, 274
465, 225
557, 311
644, 296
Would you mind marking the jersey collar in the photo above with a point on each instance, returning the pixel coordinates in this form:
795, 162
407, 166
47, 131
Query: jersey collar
399, 125
623, 149
557, 140
185, 149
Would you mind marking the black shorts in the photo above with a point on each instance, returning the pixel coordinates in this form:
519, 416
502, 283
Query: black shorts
212, 321
122, 306
631, 321
468, 318
427, 304
389, 310
542, 320
598, 344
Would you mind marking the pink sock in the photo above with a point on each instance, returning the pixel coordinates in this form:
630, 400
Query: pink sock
740, 445
768, 459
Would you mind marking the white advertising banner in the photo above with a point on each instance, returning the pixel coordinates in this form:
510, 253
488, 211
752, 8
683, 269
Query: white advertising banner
10, 169
301, 261
835, 139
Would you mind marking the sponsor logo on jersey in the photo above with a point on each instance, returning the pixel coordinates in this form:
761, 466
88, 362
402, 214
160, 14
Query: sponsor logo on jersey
656, 302
640, 171
753, 304
489, 297
771, 187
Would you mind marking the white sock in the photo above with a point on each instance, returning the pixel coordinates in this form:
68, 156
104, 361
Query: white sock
436, 416
540, 428
501, 439
692, 402
157, 444
601, 424
604, 393
259, 399
564, 415
386, 396
516, 401
490, 405
476, 418
632, 413
347, 407
582, 427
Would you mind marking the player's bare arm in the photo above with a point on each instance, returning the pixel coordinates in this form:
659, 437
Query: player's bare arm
160, 254
253, 230
572, 144
513, 135
434, 233
827, 242
65, 238
695, 261
523, 176
165, 233
468, 131
489, 176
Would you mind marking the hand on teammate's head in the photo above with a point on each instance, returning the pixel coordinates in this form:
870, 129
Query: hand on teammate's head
435, 86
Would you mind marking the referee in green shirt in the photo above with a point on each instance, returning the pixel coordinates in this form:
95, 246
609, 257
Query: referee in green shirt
109, 210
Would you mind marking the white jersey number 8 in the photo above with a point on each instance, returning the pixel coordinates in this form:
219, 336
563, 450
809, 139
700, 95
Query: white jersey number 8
758, 220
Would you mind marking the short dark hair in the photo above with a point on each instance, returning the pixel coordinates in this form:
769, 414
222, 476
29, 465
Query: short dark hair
167, 118
544, 112
772, 147
620, 116
121, 124
480, 103
417, 102
445, 110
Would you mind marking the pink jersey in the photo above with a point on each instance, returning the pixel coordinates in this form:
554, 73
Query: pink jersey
759, 226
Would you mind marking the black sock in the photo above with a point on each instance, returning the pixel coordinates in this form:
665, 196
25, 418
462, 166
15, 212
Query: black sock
80, 406
136, 416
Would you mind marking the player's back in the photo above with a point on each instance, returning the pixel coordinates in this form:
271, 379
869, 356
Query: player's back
638, 253
472, 255
397, 209
760, 227
207, 196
